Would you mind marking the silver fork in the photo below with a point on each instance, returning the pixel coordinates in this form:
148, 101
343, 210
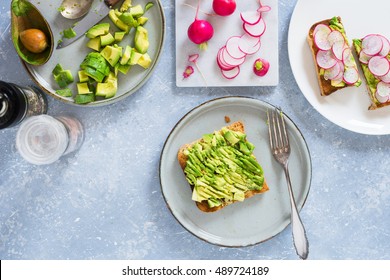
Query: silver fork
280, 148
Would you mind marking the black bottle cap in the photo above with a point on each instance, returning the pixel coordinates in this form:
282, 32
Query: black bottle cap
13, 105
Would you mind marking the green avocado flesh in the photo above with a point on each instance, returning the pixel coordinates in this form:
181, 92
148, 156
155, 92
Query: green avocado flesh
221, 168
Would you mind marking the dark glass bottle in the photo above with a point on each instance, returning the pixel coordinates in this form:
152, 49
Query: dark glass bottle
18, 103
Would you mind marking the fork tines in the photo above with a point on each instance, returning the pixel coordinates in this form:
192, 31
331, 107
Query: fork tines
278, 136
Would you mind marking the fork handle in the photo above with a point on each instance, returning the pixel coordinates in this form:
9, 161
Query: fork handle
301, 243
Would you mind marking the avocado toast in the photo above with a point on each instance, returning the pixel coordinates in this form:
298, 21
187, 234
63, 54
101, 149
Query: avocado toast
335, 65
374, 56
221, 168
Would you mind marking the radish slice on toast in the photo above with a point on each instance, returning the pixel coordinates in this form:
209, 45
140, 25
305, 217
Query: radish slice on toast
382, 92
335, 36
386, 46
338, 49
348, 59
333, 72
321, 39
385, 78
379, 66
325, 59
364, 58
372, 44
351, 75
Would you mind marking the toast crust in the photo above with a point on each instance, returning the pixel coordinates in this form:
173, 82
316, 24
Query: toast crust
203, 206
326, 87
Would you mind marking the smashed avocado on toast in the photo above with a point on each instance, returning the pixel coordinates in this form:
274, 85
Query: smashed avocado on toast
335, 65
373, 52
221, 168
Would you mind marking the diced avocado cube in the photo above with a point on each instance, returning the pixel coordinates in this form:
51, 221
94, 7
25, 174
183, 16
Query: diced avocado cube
126, 55
94, 43
119, 36
125, 5
57, 69
64, 78
84, 98
69, 33
141, 40
135, 56
136, 11
118, 23
128, 19
145, 61
106, 90
142, 20
83, 77
111, 54
107, 39
82, 88
66, 92
124, 69
94, 74
98, 30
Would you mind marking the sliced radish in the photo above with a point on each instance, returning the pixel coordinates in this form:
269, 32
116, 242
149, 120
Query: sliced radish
255, 30
348, 59
364, 58
325, 59
385, 78
229, 60
321, 39
386, 46
338, 48
249, 44
333, 72
379, 66
382, 92
351, 75
232, 73
264, 8
339, 78
250, 17
222, 64
232, 47
372, 44
193, 58
335, 36
322, 27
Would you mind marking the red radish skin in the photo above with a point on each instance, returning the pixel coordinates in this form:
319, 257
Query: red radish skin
200, 31
260, 67
224, 7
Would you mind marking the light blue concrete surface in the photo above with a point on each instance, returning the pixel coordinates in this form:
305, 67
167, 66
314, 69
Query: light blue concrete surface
105, 201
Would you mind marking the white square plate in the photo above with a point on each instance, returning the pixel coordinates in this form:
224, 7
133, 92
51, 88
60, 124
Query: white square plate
224, 28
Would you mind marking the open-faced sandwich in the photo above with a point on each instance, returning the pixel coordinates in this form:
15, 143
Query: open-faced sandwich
221, 168
335, 65
374, 57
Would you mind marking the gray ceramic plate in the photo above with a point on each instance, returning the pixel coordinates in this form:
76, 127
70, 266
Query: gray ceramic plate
71, 56
258, 218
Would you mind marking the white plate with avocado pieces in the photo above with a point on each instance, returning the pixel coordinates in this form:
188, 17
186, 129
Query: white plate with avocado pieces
117, 68
258, 218
348, 107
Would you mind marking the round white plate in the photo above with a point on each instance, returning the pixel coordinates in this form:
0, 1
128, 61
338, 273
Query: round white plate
71, 56
348, 107
257, 219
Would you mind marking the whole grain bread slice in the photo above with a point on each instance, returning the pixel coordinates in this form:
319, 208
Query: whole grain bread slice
203, 206
326, 87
